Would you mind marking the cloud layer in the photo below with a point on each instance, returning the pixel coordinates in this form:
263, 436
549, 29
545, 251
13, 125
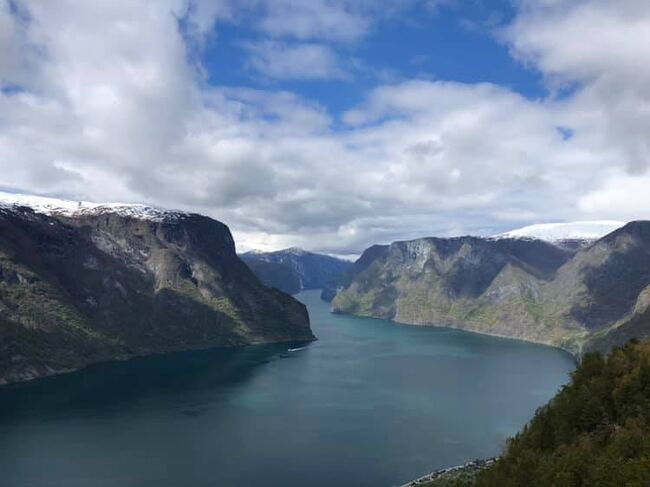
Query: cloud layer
108, 101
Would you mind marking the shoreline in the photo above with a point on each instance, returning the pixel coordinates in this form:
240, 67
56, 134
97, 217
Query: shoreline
5, 382
575, 355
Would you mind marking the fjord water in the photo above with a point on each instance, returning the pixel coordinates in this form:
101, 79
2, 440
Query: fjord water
371, 403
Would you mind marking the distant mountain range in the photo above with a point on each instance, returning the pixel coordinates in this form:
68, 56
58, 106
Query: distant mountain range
293, 270
588, 296
83, 283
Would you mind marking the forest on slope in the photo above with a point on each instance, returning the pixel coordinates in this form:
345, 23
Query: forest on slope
594, 433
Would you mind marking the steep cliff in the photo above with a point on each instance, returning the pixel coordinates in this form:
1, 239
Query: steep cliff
99, 283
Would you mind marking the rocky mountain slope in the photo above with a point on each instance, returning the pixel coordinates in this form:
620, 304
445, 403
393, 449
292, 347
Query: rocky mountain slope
346, 277
82, 283
293, 270
592, 297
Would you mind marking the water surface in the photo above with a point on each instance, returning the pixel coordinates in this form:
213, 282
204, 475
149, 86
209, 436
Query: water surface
369, 404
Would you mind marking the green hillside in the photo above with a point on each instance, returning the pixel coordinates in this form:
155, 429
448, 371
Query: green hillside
595, 432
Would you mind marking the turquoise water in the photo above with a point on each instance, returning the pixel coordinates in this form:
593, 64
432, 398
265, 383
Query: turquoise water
369, 404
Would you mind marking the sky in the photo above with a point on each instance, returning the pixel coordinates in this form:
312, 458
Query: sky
332, 124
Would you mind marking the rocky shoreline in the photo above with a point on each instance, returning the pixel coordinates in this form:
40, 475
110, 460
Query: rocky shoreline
472, 467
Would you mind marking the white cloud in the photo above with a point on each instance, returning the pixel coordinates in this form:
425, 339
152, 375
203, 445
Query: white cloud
340, 20
279, 60
113, 107
602, 46
622, 196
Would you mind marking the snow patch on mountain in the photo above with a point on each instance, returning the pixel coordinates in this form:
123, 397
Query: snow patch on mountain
68, 208
557, 232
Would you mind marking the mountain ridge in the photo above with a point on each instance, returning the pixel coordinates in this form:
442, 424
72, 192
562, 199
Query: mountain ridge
582, 298
70, 209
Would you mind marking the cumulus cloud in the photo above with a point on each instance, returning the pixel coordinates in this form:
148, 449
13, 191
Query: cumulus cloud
341, 21
597, 49
107, 101
601, 47
621, 196
318, 19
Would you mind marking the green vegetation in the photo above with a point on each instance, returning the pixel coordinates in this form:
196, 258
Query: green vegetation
35, 303
595, 432
536, 309
359, 304
223, 305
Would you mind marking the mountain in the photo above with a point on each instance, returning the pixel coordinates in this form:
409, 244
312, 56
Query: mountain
292, 270
607, 286
580, 299
82, 283
484, 285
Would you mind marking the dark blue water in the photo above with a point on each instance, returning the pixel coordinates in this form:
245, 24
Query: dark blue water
370, 404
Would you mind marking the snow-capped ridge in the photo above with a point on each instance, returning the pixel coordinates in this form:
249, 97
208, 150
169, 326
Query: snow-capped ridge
557, 232
295, 251
69, 208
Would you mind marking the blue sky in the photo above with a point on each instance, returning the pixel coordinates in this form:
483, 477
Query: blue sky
332, 124
458, 41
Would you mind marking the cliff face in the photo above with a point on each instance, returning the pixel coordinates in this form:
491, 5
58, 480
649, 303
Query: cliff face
293, 270
100, 285
591, 298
